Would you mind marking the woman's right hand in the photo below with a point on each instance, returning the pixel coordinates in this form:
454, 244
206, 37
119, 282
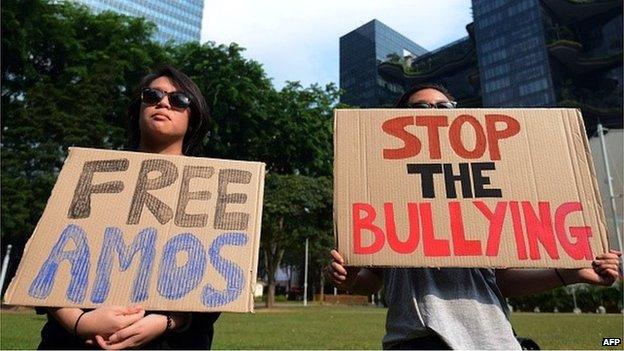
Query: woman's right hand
357, 280
342, 277
107, 320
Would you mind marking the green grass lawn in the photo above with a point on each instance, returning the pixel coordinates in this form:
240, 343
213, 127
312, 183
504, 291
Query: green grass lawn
329, 327
20, 330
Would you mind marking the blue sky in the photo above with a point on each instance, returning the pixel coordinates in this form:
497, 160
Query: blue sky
298, 40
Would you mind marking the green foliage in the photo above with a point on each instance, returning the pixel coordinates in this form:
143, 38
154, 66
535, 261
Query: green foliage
68, 76
238, 94
296, 207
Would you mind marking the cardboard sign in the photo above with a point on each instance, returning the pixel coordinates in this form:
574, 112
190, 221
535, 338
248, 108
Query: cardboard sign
465, 188
166, 232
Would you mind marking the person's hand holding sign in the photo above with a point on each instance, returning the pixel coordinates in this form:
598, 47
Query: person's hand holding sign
605, 270
342, 276
107, 320
101, 321
143, 331
359, 280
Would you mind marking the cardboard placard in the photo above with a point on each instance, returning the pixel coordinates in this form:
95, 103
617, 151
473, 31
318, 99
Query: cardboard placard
167, 232
465, 188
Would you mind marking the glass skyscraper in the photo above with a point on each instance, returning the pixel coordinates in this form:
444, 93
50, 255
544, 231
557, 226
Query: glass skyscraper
177, 20
518, 53
513, 60
361, 51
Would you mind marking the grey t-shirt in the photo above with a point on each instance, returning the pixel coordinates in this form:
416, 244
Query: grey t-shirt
463, 305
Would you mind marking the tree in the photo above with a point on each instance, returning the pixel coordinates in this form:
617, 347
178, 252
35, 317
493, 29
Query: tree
237, 92
67, 77
300, 134
295, 207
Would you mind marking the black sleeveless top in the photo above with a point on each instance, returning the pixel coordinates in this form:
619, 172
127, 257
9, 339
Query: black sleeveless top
198, 336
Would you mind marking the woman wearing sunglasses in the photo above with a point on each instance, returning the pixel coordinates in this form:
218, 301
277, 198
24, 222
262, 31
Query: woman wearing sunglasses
168, 116
456, 308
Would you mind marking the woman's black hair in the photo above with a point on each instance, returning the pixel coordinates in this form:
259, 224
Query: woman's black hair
404, 99
199, 115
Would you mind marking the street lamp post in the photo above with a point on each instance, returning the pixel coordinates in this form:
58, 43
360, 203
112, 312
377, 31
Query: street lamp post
305, 276
5, 265
618, 234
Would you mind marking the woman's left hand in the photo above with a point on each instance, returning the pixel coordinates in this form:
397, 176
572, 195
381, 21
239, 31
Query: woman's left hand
135, 335
605, 270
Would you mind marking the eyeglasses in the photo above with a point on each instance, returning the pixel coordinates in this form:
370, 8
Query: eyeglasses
442, 104
177, 99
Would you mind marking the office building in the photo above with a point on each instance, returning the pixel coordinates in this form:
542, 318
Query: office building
177, 20
517, 53
361, 51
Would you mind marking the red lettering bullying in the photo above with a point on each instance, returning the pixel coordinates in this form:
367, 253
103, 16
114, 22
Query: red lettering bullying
431, 245
532, 224
409, 245
461, 246
496, 220
366, 222
517, 229
539, 230
580, 248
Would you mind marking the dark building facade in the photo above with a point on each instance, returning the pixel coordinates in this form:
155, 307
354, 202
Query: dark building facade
453, 65
361, 52
513, 58
518, 53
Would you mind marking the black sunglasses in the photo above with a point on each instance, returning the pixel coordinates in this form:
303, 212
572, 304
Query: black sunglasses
177, 99
442, 104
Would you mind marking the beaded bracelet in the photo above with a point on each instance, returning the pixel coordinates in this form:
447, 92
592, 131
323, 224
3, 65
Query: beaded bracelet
169, 322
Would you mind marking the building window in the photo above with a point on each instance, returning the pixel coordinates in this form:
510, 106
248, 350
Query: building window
533, 87
497, 84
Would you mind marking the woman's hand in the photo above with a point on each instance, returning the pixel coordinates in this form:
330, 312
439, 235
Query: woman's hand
143, 331
358, 280
342, 277
107, 320
136, 335
605, 270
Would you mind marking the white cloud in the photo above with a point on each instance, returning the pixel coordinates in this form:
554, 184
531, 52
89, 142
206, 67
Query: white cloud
298, 40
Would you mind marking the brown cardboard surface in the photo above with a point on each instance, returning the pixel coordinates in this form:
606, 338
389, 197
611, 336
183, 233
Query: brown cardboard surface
529, 176
188, 242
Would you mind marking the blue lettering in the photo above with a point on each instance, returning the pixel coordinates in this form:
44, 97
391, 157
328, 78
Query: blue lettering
79, 258
234, 277
175, 282
113, 240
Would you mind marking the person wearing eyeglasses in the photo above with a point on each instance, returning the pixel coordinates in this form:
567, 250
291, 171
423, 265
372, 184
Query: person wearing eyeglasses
456, 308
169, 116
